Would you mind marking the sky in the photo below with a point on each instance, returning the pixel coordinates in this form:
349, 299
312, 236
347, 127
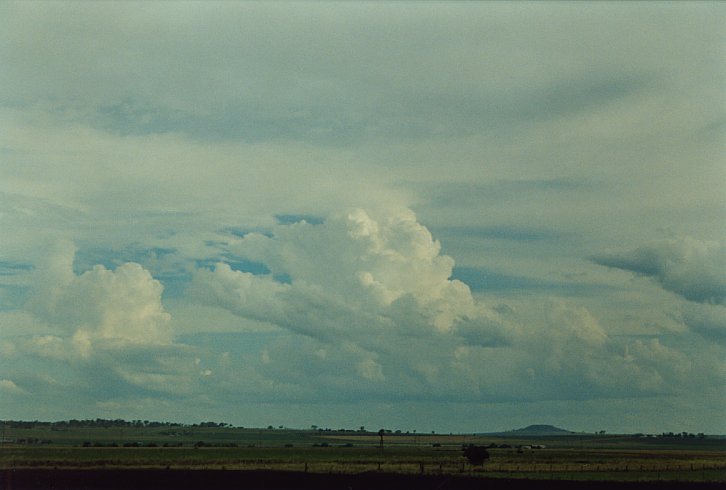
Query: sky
460, 217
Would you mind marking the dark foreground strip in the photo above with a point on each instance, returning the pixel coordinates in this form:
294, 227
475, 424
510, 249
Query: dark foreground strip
28, 479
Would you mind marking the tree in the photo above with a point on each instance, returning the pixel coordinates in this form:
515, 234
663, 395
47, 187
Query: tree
476, 455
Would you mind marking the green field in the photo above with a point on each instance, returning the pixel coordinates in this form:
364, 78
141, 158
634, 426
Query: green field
597, 457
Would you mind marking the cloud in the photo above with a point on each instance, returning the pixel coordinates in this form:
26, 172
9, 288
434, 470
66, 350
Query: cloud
364, 279
707, 320
141, 134
352, 273
122, 304
691, 268
573, 351
104, 331
371, 299
562, 351
9, 387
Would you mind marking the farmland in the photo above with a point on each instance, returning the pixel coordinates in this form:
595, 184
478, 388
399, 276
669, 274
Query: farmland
593, 457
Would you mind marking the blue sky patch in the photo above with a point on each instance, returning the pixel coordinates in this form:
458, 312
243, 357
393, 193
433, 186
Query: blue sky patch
481, 279
10, 268
289, 219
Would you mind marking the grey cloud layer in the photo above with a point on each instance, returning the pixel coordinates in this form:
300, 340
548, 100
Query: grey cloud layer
690, 268
325, 73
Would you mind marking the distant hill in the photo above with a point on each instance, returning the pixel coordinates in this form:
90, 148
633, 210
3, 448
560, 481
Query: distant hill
536, 430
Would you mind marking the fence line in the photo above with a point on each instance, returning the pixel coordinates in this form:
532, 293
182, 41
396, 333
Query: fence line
534, 468
407, 467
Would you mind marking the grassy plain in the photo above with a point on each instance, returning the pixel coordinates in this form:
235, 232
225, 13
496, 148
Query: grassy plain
568, 457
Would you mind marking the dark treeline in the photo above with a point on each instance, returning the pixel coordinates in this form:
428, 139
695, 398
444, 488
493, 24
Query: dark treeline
682, 435
105, 423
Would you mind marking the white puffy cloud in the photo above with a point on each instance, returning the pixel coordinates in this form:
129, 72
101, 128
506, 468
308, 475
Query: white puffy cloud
106, 332
122, 304
360, 257
354, 276
691, 268
371, 292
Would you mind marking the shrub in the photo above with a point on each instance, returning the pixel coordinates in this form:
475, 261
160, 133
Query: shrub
476, 455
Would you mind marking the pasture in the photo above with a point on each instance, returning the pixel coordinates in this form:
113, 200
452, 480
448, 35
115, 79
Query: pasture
570, 457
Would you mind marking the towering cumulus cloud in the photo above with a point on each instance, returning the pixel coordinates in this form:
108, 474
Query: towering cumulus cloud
101, 304
359, 278
106, 332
